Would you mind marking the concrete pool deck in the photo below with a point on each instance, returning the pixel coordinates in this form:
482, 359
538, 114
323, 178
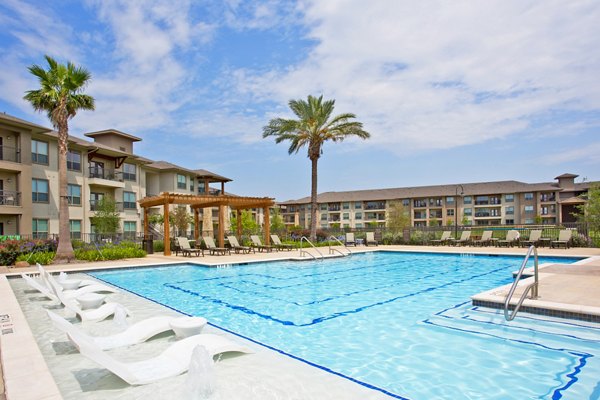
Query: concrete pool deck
31, 352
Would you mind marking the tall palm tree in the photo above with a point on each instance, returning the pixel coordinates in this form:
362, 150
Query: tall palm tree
60, 96
313, 128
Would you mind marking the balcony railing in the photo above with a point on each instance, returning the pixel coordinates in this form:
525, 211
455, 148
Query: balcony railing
103, 173
10, 198
375, 206
8, 153
95, 205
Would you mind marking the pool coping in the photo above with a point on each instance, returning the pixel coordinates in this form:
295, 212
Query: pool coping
17, 379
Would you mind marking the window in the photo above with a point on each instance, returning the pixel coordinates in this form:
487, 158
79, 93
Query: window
406, 202
129, 172
509, 198
482, 200
346, 206
39, 228
191, 185
39, 191
450, 200
468, 211
323, 217
346, 215
323, 207
129, 201
181, 181
467, 200
509, 221
39, 152
74, 194
75, 228
528, 196
358, 205
528, 209
358, 216
359, 225
529, 220
420, 203
510, 210
129, 229
450, 212
73, 160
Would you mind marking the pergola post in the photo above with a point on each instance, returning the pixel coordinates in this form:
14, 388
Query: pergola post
221, 226
167, 233
196, 224
267, 226
238, 218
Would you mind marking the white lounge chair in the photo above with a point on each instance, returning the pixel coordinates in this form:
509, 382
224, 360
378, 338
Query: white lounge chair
134, 334
173, 361
98, 314
564, 239
444, 239
534, 238
51, 282
212, 247
512, 238
40, 286
486, 238
465, 238
186, 248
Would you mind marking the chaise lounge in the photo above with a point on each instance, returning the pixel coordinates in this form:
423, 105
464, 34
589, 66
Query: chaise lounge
187, 249
350, 239
486, 239
235, 245
564, 239
279, 245
258, 244
212, 247
444, 239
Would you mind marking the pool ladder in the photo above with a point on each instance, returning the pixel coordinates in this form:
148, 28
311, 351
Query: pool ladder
332, 250
302, 251
533, 286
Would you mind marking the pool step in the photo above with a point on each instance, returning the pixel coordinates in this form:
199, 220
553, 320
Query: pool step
525, 328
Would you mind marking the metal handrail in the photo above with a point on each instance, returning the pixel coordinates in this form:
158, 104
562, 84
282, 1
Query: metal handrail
533, 286
303, 238
331, 250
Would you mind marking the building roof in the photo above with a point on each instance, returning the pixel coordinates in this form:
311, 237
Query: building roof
113, 132
467, 189
202, 173
12, 120
567, 176
167, 166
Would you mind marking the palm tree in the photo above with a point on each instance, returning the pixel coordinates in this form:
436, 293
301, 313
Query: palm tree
313, 128
60, 96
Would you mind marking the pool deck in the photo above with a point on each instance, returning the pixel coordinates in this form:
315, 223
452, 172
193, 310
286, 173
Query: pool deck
26, 351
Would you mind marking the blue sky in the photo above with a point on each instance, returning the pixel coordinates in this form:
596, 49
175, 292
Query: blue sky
451, 92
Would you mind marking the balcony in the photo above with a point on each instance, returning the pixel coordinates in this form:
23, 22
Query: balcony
8, 153
10, 198
95, 206
544, 198
373, 205
334, 208
419, 204
106, 177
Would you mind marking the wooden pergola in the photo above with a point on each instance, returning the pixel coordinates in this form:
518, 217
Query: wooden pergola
196, 202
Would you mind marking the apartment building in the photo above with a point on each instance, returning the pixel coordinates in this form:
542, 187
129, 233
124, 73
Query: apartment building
106, 165
485, 203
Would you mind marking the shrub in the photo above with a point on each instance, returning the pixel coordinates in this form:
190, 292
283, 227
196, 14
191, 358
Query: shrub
110, 252
579, 240
44, 257
158, 246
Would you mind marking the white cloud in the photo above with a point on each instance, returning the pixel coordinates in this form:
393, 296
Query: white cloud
430, 75
587, 155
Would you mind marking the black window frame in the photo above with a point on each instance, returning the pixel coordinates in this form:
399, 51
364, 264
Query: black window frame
71, 197
71, 163
129, 176
129, 205
35, 195
35, 156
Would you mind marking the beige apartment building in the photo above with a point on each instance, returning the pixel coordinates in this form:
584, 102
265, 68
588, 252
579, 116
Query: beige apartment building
485, 203
104, 166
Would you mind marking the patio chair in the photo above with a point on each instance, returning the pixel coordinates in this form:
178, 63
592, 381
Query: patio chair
465, 238
444, 239
134, 334
279, 245
512, 238
350, 239
564, 239
534, 238
235, 245
174, 361
486, 239
370, 239
186, 249
212, 247
258, 244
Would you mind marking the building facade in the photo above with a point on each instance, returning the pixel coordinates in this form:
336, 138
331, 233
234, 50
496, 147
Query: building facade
105, 166
487, 203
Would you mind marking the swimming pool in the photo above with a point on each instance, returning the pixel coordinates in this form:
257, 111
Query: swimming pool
400, 323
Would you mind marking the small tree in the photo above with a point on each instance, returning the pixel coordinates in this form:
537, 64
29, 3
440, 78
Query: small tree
538, 219
465, 220
106, 220
277, 224
398, 217
181, 220
157, 221
249, 224
590, 212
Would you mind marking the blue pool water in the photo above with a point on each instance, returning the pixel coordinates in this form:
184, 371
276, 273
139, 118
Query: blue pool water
401, 323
